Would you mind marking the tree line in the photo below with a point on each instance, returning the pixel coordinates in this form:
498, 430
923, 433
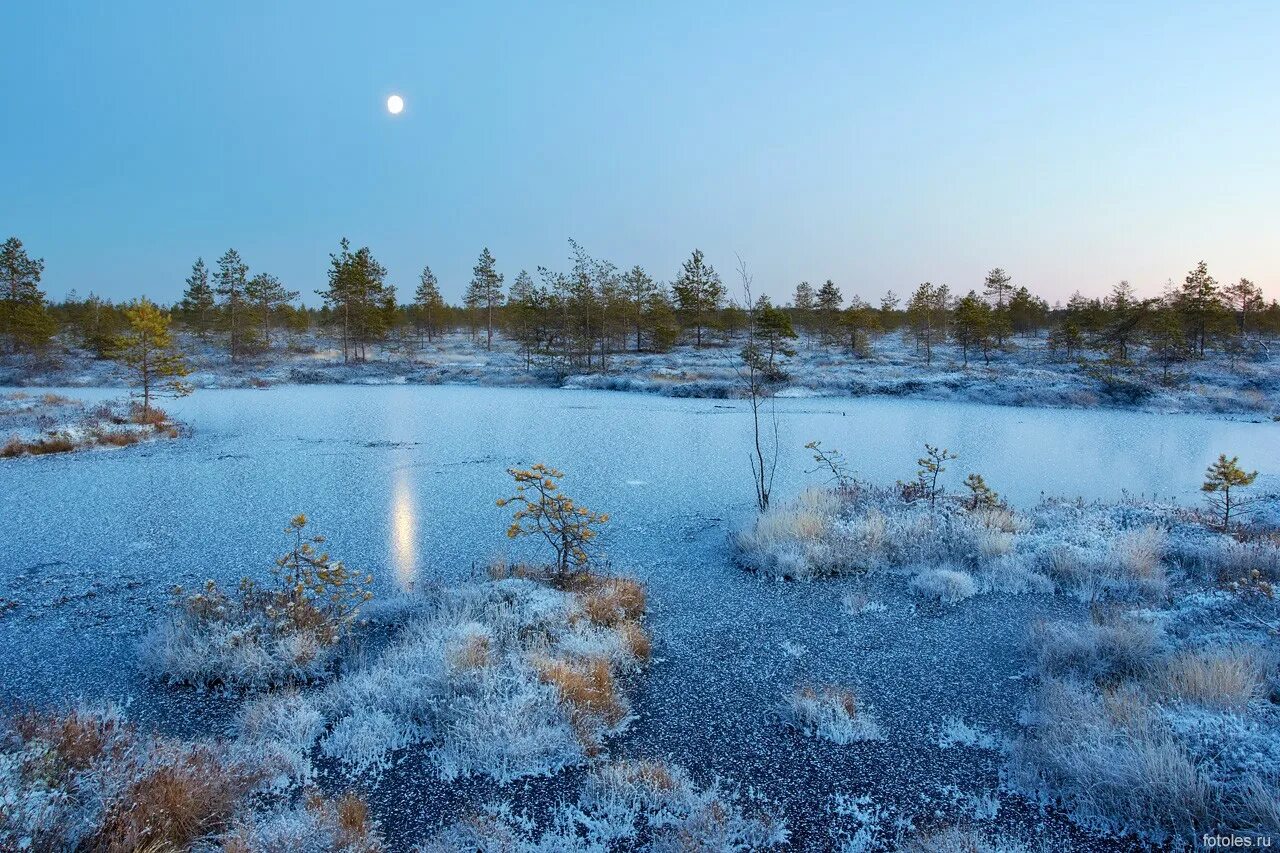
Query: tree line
583, 315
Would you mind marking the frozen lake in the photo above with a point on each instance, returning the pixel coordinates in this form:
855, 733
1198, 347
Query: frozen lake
402, 479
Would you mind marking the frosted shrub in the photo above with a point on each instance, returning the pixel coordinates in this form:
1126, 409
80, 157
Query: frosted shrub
505, 679
1112, 761
947, 586
319, 824
793, 540
88, 780
259, 637
1131, 738
828, 532
1108, 647
832, 713
623, 805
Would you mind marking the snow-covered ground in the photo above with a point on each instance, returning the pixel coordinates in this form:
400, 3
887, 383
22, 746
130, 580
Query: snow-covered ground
1028, 374
49, 423
861, 712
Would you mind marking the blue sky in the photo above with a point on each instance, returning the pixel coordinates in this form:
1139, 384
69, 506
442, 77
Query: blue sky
880, 145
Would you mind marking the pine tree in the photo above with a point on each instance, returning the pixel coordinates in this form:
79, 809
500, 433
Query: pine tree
1243, 298
860, 318
981, 496
829, 302
889, 319
805, 300
1221, 479
198, 299
25, 322
1027, 312
926, 312
359, 298
639, 289
772, 334
267, 295
230, 281
1166, 341
146, 349
1200, 304
698, 292
1125, 315
998, 287
803, 303
427, 302
485, 291
525, 304
972, 326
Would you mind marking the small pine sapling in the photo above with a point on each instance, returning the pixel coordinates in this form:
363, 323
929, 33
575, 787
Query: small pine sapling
981, 496
315, 590
833, 461
932, 464
542, 509
1221, 480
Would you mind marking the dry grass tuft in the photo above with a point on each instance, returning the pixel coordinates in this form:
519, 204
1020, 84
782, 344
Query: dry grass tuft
586, 686
831, 712
653, 775
152, 417
189, 795
78, 740
1223, 678
610, 601
473, 654
636, 640
118, 439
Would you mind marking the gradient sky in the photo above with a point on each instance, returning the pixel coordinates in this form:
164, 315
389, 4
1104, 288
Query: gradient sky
880, 145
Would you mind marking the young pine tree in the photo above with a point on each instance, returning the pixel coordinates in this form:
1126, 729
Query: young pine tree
932, 464
267, 295
1222, 479
998, 287
147, 351
428, 304
1200, 304
981, 496
829, 302
25, 322
230, 281
698, 292
359, 298
638, 289
972, 326
198, 299
860, 321
485, 292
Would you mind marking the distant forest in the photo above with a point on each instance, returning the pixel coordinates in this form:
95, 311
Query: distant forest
579, 318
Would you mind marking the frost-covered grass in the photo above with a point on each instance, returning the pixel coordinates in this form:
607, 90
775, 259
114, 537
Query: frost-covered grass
506, 678
216, 638
51, 423
318, 823
88, 780
263, 635
831, 712
947, 586
1156, 712
1135, 729
1123, 551
1026, 374
623, 805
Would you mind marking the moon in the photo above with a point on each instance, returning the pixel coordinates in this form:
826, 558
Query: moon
395, 105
